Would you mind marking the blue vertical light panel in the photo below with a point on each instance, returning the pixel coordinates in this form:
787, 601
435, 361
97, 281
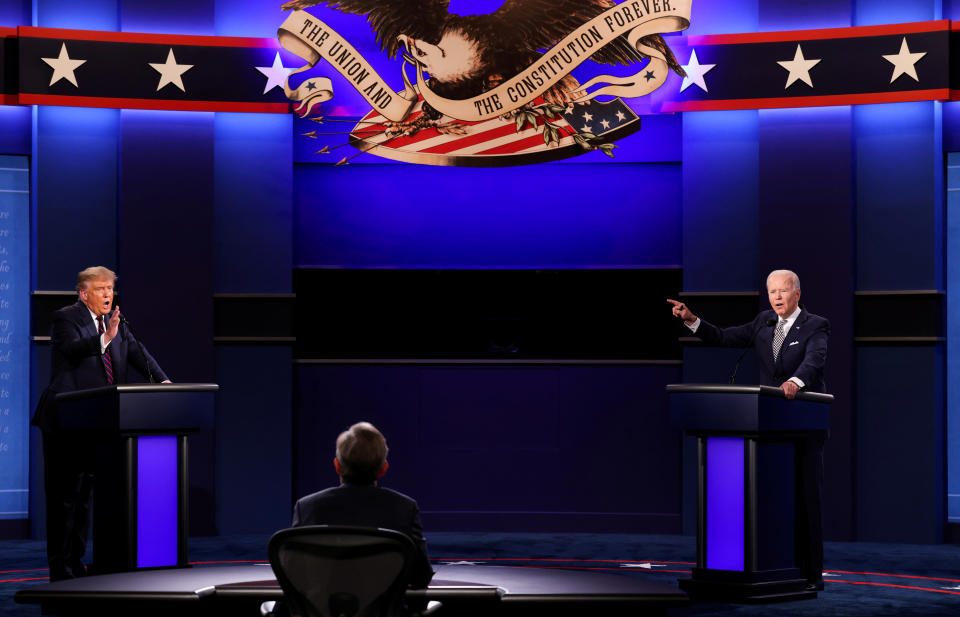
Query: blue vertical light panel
725, 503
14, 335
953, 337
157, 498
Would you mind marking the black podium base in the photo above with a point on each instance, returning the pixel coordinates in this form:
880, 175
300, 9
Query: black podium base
746, 587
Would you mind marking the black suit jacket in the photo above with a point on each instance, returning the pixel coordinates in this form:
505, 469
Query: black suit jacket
803, 354
76, 362
368, 506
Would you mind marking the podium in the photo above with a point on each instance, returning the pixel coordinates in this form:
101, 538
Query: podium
749, 440
136, 445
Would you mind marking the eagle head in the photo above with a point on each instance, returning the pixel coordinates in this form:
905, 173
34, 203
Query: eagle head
457, 57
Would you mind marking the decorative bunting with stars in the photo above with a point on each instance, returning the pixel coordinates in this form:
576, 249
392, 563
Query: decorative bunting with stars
142, 71
838, 66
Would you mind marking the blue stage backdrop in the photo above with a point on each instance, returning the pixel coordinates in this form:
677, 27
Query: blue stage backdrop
549, 216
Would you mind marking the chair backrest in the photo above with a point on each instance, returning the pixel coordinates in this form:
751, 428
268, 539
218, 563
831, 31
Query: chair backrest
341, 571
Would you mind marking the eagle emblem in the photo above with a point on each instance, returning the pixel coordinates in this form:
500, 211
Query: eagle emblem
492, 89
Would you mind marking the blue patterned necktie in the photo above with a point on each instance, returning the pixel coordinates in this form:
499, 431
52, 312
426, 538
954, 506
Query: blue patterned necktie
778, 338
107, 360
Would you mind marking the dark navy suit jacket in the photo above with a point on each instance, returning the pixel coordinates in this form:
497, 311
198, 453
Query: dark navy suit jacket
803, 354
368, 506
76, 363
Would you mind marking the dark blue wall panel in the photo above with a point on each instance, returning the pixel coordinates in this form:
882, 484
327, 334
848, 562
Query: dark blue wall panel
253, 440
723, 17
900, 445
253, 188
553, 216
166, 211
720, 201
535, 447
77, 176
873, 12
167, 17
247, 18
792, 15
15, 13
85, 15
903, 209
15, 129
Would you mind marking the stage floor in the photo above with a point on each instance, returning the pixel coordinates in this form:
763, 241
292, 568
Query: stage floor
862, 579
463, 589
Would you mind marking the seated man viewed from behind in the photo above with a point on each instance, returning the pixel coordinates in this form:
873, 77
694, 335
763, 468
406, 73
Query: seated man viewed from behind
360, 461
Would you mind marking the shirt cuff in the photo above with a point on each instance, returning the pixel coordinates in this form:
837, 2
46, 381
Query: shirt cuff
693, 326
103, 346
797, 381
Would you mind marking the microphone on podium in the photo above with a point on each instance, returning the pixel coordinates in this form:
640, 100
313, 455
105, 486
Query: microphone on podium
767, 324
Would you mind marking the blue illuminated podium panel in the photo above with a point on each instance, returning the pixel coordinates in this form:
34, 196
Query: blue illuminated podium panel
137, 449
748, 440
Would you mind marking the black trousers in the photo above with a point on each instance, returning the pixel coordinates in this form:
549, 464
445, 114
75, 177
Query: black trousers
809, 459
68, 484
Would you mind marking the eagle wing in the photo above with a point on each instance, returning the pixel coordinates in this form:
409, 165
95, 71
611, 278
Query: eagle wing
421, 19
541, 23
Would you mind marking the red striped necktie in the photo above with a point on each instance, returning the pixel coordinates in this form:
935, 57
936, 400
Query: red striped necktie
107, 360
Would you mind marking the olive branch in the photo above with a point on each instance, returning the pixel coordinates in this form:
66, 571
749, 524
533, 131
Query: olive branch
550, 113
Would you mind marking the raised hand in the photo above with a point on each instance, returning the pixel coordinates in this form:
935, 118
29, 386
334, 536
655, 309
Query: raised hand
680, 310
113, 325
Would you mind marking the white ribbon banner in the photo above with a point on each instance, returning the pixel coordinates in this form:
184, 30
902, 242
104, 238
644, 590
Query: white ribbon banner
311, 39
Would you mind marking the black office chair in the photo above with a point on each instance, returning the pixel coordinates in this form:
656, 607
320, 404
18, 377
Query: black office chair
340, 571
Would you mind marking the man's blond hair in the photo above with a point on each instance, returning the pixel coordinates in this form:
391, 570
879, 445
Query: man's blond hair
94, 273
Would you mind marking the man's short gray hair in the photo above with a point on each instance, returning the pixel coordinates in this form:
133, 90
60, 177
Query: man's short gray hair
94, 273
361, 451
790, 273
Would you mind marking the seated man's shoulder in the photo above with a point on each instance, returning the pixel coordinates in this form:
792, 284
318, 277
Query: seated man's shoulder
326, 493
398, 495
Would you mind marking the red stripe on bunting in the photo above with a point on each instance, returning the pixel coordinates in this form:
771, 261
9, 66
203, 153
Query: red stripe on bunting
137, 37
818, 34
161, 104
907, 96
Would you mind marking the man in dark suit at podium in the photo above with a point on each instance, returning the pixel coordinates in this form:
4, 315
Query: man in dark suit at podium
360, 461
791, 349
89, 348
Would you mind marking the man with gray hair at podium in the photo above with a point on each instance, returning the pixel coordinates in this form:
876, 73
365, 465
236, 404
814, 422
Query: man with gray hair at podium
791, 350
790, 343
90, 347
361, 460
